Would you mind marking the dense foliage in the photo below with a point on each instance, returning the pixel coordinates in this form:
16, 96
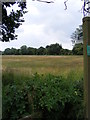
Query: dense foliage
77, 35
78, 49
53, 49
11, 21
45, 97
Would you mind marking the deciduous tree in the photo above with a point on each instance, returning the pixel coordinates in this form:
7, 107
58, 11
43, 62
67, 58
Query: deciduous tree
11, 21
77, 35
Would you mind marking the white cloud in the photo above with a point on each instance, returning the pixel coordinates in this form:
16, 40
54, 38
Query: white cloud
47, 24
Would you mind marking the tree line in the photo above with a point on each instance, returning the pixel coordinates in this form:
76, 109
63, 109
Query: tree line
53, 49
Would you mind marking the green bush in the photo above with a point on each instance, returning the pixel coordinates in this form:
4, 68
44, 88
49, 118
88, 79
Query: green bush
54, 97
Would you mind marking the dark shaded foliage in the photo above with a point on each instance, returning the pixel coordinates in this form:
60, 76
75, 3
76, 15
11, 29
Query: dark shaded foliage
53, 49
12, 21
54, 97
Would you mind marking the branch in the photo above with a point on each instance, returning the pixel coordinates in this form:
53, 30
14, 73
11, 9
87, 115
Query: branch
86, 10
65, 4
44, 1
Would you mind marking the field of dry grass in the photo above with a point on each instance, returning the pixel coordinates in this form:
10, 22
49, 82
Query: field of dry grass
43, 64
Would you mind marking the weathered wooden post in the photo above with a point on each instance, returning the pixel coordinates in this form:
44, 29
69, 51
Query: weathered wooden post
86, 41
0, 66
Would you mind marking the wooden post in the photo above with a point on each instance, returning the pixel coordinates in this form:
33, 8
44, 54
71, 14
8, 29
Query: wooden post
86, 41
0, 67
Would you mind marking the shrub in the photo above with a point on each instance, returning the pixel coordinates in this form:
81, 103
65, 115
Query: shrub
55, 97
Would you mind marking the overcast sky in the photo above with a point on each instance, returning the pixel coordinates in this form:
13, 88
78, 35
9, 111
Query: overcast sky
47, 24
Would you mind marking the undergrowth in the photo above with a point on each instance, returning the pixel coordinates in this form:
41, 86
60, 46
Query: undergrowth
46, 97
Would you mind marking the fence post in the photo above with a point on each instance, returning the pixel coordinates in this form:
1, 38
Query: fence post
86, 41
0, 66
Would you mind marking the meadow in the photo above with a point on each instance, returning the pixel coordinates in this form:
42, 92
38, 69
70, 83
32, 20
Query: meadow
55, 65
43, 87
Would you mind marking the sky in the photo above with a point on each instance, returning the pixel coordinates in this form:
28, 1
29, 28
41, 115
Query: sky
47, 24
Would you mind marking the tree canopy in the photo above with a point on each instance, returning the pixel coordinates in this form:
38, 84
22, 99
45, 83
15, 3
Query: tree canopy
12, 21
53, 49
78, 49
77, 35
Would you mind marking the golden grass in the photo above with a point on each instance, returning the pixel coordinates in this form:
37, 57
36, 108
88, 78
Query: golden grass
43, 64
